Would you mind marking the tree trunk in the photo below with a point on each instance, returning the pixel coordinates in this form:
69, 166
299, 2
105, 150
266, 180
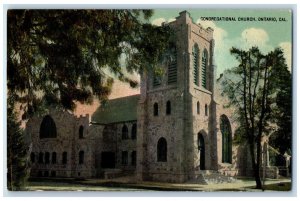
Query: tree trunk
257, 177
255, 164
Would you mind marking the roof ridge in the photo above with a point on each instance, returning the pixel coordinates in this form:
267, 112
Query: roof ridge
124, 97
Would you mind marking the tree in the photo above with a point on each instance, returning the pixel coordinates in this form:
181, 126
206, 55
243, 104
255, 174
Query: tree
62, 56
17, 152
252, 87
282, 137
58, 57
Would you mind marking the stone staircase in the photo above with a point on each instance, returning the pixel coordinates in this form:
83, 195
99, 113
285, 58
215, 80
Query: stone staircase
112, 173
116, 173
211, 177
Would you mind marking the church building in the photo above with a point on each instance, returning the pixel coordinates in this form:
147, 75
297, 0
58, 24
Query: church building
176, 130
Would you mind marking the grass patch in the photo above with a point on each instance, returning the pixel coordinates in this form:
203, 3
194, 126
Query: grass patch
72, 184
282, 186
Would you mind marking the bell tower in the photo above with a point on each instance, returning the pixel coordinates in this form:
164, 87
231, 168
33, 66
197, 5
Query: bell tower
176, 107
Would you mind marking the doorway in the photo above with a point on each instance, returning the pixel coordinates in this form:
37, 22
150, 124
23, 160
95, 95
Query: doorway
201, 148
107, 160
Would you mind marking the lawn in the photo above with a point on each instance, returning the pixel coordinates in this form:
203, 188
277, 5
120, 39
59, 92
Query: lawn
67, 184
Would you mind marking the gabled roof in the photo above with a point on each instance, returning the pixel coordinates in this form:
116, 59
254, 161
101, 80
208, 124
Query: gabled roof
117, 110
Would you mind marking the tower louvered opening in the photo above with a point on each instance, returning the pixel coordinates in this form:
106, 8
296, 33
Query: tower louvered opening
196, 64
156, 80
172, 68
204, 68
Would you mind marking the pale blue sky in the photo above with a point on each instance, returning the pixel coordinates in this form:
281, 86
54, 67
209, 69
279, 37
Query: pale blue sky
243, 34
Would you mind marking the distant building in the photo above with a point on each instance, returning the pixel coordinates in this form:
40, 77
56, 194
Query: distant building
176, 130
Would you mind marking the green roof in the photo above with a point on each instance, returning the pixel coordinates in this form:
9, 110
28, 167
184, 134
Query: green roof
117, 110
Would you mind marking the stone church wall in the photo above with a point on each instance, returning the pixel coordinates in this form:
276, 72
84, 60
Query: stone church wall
169, 127
67, 140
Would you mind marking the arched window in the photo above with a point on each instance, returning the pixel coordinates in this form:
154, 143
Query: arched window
172, 66
226, 139
48, 128
168, 108
133, 158
64, 158
162, 150
53, 159
198, 107
124, 132
81, 157
204, 68
196, 64
41, 158
155, 109
124, 157
81, 132
206, 110
108, 133
133, 131
32, 157
47, 158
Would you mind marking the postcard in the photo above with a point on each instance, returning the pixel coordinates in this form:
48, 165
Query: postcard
138, 100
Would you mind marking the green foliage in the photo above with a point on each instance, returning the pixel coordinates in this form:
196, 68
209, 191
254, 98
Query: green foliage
17, 153
62, 56
244, 88
260, 89
58, 57
282, 114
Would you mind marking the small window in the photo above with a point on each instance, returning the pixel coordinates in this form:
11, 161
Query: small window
133, 158
124, 132
168, 108
41, 158
40, 173
124, 157
162, 150
81, 157
155, 109
53, 157
53, 173
46, 174
32, 157
133, 131
206, 110
47, 158
107, 134
198, 107
64, 158
81, 132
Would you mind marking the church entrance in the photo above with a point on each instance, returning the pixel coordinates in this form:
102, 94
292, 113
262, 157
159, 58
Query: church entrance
107, 160
201, 148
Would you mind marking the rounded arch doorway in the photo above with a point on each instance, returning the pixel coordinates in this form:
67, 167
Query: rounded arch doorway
201, 148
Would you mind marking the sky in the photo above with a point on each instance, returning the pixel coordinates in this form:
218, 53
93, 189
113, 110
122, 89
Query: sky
241, 34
